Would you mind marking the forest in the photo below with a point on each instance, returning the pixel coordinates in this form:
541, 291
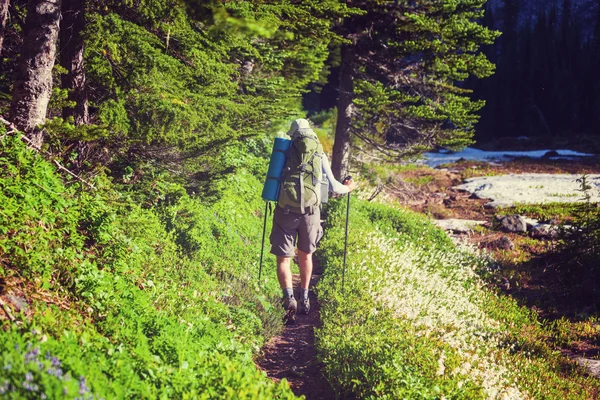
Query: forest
135, 137
551, 54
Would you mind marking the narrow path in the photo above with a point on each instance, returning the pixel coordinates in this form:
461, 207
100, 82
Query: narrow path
292, 354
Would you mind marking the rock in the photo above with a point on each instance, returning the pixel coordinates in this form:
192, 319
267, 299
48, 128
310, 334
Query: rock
20, 303
513, 223
531, 222
544, 231
551, 153
593, 366
503, 243
457, 225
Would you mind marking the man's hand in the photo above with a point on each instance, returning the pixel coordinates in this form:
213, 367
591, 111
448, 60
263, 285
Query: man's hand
350, 183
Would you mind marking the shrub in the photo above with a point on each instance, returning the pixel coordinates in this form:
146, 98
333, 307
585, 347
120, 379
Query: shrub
414, 320
133, 300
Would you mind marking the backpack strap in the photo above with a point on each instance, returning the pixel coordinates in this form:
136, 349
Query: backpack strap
302, 170
314, 176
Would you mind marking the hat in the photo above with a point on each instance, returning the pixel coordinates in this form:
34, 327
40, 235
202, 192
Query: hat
297, 125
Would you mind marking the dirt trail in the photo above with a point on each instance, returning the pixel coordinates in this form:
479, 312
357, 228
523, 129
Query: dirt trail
292, 354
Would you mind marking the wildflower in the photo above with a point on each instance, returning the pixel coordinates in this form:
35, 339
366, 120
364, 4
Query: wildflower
83, 388
4, 387
441, 367
32, 355
31, 387
435, 292
55, 362
56, 372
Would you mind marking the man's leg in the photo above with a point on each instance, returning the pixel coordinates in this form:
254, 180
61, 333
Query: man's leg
284, 274
306, 267
309, 233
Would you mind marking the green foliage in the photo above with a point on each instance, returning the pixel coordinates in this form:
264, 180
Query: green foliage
193, 77
579, 248
39, 219
156, 302
559, 212
414, 321
370, 354
408, 69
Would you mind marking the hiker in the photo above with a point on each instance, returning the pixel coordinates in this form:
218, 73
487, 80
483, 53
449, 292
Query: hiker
300, 221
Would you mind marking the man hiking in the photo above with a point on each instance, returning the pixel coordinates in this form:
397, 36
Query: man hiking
297, 216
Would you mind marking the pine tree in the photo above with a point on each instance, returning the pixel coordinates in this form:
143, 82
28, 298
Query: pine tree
3, 17
404, 70
72, 59
594, 120
33, 85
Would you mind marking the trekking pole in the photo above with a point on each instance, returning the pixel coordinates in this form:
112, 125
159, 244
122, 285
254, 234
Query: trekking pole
262, 246
346, 240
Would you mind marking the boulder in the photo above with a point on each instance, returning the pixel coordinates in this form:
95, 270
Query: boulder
513, 223
455, 225
544, 231
503, 243
531, 222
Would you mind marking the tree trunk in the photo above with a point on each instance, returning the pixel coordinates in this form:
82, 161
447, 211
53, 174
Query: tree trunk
341, 147
71, 58
3, 16
33, 83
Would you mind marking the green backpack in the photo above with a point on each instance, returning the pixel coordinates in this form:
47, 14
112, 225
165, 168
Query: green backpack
302, 174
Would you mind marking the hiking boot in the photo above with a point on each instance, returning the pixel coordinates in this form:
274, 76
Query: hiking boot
291, 306
304, 306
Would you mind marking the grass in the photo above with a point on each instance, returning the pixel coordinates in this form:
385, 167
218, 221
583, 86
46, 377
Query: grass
420, 181
416, 321
557, 212
128, 298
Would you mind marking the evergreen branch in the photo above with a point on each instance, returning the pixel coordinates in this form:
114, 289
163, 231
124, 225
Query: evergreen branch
14, 129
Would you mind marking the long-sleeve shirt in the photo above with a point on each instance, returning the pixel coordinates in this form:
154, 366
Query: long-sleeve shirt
334, 185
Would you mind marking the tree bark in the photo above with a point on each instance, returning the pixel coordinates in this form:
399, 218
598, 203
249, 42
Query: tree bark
71, 58
3, 17
33, 83
341, 148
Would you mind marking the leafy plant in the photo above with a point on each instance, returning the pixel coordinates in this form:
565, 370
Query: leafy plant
414, 320
130, 299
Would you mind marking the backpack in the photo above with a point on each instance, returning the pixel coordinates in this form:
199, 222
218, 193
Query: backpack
302, 174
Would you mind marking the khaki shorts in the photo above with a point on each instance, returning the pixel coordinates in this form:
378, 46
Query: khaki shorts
289, 227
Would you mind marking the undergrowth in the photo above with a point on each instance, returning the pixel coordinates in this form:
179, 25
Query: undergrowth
415, 320
555, 212
126, 300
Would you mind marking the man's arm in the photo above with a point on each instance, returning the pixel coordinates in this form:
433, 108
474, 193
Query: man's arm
334, 185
